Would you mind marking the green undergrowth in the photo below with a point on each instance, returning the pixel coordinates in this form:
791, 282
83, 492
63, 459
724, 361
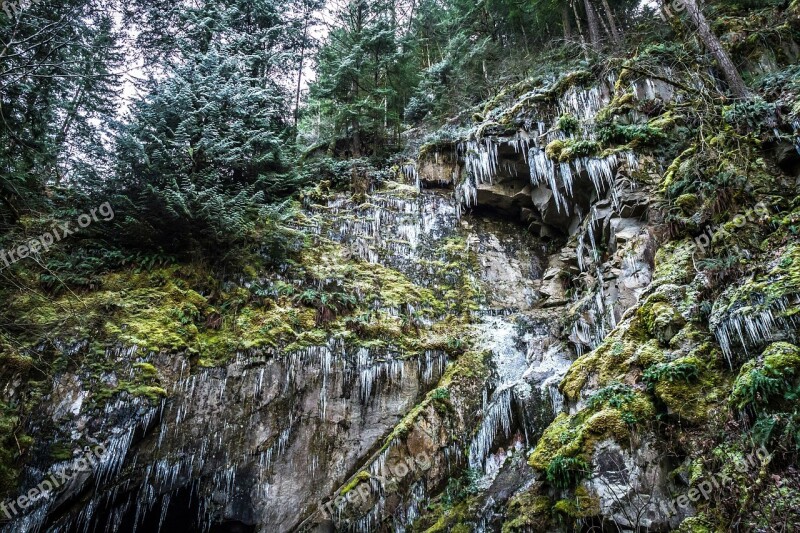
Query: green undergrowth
184, 308
13, 444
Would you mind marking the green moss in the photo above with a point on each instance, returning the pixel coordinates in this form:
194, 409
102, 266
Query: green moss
10, 436
660, 318
150, 392
766, 380
12, 362
571, 79
153, 393
632, 135
527, 512
554, 441
582, 505
612, 361
568, 124
358, 479
447, 517
146, 369
696, 524
622, 102
554, 149
186, 309
673, 263
678, 168
650, 353
574, 149
575, 436
687, 203
690, 387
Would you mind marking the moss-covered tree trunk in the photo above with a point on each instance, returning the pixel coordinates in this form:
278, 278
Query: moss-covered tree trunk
710, 41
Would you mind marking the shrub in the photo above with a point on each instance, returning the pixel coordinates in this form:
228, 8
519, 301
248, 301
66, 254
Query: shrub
568, 124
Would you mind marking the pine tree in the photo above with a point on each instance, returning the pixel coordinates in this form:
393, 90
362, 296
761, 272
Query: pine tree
57, 89
363, 75
210, 146
711, 42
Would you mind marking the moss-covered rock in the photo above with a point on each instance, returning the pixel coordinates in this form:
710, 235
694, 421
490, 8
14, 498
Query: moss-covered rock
660, 318
575, 436
761, 309
554, 149
687, 203
764, 381
526, 512
674, 262
574, 149
582, 505
696, 524
615, 360
691, 388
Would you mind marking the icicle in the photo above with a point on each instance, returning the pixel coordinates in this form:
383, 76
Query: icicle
582, 103
753, 329
480, 159
496, 418
796, 126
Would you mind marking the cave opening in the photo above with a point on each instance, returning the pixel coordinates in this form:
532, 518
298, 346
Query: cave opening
183, 510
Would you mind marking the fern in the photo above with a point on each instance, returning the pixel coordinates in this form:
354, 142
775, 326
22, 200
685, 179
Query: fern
566, 472
616, 395
678, 371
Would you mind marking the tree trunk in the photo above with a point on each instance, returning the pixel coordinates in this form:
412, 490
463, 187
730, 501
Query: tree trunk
615, 35
732, 76
592, 22
300, 71
565, 22
580, 30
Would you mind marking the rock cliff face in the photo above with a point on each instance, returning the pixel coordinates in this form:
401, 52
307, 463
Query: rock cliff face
528, 328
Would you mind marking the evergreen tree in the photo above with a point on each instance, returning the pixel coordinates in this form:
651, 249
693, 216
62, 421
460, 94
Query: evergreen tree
364, 75
57, 88
209, 147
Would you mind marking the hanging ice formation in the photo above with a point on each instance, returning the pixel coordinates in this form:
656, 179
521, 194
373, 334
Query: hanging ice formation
482, 162
748, 328
796, 126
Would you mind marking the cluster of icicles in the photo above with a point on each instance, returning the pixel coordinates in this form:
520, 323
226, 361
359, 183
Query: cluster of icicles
124, 418
746, 328
601, 316
482, 162
482, 165
186, 448
388, 229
